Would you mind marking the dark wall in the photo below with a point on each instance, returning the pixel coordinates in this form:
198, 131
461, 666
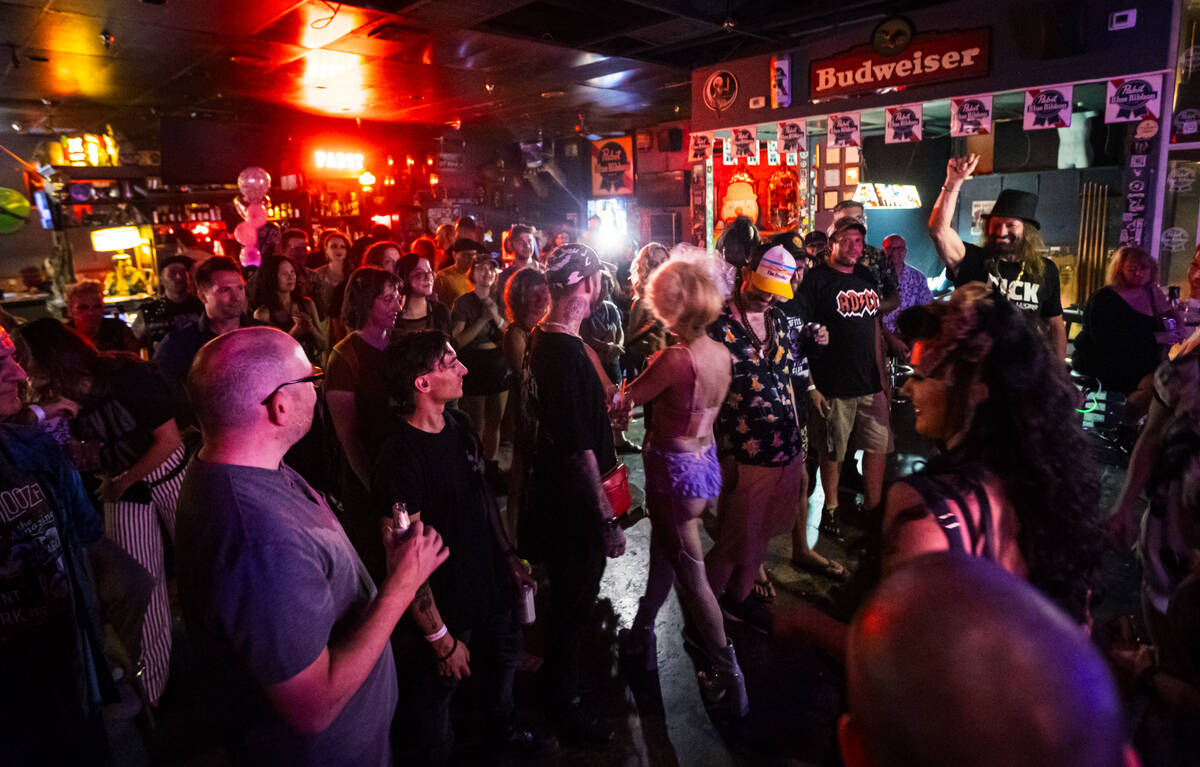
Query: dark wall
1032, 43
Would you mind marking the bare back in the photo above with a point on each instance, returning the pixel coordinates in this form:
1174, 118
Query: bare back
687, 385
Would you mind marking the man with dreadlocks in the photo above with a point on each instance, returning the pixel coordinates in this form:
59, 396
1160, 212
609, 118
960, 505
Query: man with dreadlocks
1011, 258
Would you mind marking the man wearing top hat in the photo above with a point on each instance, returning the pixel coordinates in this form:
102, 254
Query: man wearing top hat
1011, 257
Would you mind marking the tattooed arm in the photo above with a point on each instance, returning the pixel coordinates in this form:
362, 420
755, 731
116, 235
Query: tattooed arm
453, 657
584, 473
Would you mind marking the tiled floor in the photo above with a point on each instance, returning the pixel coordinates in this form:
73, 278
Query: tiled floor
795, 691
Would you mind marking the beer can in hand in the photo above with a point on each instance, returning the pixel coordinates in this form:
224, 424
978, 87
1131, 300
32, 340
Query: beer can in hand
401, 522
526, 614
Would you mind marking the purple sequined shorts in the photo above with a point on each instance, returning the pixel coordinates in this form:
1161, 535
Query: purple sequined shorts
690, 475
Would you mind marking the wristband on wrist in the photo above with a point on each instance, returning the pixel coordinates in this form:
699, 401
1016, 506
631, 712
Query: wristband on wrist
812, 387
431, 638
452, 649
37, 412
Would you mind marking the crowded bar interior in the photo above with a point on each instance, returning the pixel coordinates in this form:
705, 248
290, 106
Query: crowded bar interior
373, 373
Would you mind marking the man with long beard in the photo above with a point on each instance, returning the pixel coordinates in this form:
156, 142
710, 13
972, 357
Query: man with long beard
1011, 258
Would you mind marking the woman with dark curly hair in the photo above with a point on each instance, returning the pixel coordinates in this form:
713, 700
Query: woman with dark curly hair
1013, 482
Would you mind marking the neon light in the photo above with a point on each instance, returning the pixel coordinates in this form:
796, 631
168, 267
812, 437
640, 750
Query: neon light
889, 196
338, 160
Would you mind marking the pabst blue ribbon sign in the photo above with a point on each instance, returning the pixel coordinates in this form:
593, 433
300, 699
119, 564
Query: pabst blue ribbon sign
1048, 107
903, 124
844, 130
971, 115
929, 58
612, 166
1131, 99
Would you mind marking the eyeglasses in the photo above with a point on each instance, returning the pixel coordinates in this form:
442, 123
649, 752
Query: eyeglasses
316, 376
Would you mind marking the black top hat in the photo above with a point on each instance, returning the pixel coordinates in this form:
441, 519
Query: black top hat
1013, 203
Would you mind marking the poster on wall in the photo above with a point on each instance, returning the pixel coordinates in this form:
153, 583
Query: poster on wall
791, 136
701, 147
781, 81
745, 142
971, 116
612, 166
903, 124
1048, 107
1129, 99
844, 130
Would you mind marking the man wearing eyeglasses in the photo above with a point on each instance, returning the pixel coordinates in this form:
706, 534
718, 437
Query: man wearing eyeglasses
287, 623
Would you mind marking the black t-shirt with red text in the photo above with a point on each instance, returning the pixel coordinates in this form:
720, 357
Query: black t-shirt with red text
848, 305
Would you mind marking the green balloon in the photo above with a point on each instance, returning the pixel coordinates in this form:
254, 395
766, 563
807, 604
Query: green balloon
14, 210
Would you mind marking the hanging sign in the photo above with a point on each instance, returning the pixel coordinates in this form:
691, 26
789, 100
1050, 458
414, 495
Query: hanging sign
1186, 125
745, 142
903, 124
791, 136
781, 81
1048, 107
772, 153
701, 147
1128, 99
971, 116
928, 58
844, 130
612, 166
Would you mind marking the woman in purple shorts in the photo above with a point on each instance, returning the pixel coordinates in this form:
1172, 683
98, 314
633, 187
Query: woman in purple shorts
686, 384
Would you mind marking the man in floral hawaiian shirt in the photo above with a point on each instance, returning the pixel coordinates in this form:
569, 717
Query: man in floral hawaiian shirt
758, 437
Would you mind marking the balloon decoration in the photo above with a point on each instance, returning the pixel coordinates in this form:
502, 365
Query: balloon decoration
14, 210
253, 183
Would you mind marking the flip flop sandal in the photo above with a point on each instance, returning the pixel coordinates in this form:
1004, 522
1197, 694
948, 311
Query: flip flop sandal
830, 569
764, 589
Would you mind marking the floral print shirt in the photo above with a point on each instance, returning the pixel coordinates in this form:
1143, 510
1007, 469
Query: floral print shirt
757, 422
914, 290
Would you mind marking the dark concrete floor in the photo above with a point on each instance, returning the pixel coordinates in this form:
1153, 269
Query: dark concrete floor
795, 691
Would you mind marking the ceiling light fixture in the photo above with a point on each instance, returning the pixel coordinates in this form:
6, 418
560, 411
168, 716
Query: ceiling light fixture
552, 94
108, 38
489, 86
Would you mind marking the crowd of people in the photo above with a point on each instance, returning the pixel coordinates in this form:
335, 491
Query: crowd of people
313, 450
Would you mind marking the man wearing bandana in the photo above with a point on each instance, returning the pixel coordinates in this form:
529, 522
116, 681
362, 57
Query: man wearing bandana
1011, 258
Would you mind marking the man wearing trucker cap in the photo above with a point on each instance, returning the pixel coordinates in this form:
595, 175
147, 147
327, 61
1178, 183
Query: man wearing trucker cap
758, 436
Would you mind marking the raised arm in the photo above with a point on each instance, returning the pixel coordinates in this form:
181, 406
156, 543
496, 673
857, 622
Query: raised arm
949, 245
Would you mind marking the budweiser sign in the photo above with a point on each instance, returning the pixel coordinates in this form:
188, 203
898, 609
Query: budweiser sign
931, 58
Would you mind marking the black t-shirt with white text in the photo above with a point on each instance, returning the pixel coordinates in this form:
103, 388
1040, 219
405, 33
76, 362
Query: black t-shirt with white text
848, 305
1024, 291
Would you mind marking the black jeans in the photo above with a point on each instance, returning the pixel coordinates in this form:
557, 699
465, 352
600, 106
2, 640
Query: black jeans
575, 564
421, 730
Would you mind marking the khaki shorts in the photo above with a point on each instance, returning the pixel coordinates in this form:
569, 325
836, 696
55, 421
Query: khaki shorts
854, 423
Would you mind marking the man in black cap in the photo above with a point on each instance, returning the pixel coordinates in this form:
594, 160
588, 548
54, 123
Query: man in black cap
571, 525
1011, 257
815, 243
177, 307
454, 280
873, 259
